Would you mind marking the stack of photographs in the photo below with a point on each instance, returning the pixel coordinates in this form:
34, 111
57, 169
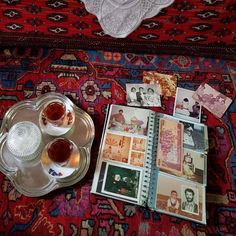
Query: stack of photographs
148, 158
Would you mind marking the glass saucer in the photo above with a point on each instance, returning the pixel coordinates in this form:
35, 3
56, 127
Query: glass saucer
58, 171
58, 130
24, 140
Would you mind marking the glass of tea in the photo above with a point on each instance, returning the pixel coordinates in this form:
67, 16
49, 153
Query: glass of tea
59, 151
55, 112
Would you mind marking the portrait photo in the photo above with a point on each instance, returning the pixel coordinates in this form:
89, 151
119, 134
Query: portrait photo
179, 197
168, 194
194, 166
122, 181
194, 136
185, 106
189, 197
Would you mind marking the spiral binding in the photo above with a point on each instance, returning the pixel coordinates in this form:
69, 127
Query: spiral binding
150, 170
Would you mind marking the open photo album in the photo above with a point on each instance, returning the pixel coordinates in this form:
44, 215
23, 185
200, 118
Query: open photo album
154, 160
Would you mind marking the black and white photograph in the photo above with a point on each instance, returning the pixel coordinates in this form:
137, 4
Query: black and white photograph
194, 136
185, 106
143, 95
189, 197
121, 181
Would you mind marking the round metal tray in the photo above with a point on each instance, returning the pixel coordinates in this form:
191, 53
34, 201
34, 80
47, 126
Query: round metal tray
30, 178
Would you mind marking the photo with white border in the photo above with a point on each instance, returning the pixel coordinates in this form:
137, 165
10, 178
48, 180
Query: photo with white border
185, 106
128, 120
189, 197
143, 95
120, 181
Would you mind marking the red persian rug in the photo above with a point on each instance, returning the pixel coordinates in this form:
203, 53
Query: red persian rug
192, 27
28, 72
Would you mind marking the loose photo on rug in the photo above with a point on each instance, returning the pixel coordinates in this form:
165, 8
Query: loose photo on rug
185, 106
143, 95
167, 83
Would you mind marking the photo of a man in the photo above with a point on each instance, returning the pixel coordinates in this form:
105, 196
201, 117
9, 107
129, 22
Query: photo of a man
122, 181
117, 120
189, 200
128, 120
173, 202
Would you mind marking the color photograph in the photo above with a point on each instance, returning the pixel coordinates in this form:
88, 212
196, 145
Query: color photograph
189, 196
179, 197
166, 82
214, 101
195, 135
170, 145
139, 144
137, 159
193, 166
116, 147
121, 181
128, 119
185, 106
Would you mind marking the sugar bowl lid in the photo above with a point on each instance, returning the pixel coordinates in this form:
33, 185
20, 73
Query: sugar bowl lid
23, 140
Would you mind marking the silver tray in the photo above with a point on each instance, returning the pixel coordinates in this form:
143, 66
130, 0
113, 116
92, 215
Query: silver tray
30, 178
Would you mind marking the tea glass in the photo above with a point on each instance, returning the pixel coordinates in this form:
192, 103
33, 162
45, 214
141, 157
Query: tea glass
54, 113
59, 151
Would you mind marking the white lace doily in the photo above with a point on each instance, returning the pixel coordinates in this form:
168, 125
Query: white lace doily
118, 18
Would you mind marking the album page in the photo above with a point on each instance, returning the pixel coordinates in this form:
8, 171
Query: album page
123, 166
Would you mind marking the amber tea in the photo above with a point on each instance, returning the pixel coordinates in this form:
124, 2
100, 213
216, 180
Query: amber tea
54, 113
60, 150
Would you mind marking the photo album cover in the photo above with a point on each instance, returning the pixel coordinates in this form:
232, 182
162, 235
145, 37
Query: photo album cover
155, 160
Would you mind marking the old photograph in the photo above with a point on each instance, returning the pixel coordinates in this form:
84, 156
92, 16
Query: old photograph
137, 159
143, 95
122, 181
170, 145
189, 196
179, 197
116, 147
167, 83
128, 119
168, 194
185, 106
194, 166
194, 136
139, 144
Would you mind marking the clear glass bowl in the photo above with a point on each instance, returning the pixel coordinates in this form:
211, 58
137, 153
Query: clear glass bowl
23, 140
